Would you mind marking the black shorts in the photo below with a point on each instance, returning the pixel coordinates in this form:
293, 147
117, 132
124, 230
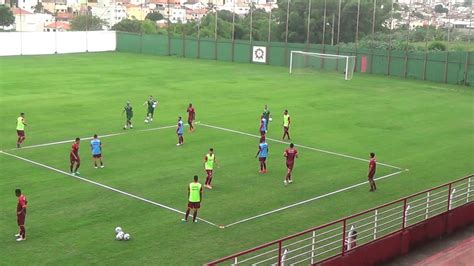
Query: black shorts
97, 155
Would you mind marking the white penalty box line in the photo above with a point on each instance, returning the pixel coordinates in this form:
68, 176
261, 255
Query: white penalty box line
103, 186
399, 171
310, 200
87, 138
301, 146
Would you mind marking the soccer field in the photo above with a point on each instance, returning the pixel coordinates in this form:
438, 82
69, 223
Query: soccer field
421, 132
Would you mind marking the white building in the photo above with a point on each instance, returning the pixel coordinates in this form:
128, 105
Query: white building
178, 14
28, 5
112, 14
28, 21
138, 2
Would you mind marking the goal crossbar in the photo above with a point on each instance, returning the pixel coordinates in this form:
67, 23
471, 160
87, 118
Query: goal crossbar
348, 60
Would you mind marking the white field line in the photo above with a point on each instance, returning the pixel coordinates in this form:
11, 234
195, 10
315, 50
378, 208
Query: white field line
102, 185
87, 138
309, 200
301, 146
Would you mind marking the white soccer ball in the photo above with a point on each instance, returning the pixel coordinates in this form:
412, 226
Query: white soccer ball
118, 229
270, 119
119, 236
126, 237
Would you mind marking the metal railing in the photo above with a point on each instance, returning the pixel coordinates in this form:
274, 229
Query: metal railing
338, 237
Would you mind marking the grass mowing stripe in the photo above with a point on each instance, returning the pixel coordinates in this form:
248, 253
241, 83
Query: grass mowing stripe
301, 146
309, 200
102, 185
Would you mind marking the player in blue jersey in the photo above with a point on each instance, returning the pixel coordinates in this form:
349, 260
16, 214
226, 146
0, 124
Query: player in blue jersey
180, 131
96, 148
263, 126
262, 154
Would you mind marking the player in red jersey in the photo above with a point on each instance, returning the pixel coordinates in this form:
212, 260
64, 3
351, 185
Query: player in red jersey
291, 154
21, 215
74, 157
372, 168
191, 116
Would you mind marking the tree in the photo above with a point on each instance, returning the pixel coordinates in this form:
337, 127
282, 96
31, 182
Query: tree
418, 15
297, 26
39, 8
131, 25
437, 46
6, 16
128, 25
440, 9
149, 27
87, 22
154, 16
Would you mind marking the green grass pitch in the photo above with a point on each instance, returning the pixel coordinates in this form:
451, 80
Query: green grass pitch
424, 127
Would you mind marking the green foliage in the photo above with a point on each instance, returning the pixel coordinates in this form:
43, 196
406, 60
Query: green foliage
87, 22
154, 16
297, 27
440, 9
149, 27
6, 16
418, 15
128, 25
138, 26
437, 46
39, 7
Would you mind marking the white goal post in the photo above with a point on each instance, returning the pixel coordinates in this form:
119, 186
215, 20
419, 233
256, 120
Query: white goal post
306, 62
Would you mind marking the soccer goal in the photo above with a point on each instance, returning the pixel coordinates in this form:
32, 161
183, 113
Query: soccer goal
306, 62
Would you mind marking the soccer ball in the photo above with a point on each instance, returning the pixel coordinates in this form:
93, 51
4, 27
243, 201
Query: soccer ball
118, 229
126, 237
270, 119
119, 236
146, 120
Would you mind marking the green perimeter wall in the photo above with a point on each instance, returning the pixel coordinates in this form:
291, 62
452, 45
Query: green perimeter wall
444, 67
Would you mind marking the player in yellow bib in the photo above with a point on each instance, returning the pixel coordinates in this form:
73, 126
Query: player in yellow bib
20, 129
286, 125
209, 161
194, 199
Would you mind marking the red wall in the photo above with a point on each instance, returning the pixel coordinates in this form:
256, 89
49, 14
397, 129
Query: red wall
402, 242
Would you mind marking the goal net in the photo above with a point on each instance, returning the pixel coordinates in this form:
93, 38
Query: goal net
307, 63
